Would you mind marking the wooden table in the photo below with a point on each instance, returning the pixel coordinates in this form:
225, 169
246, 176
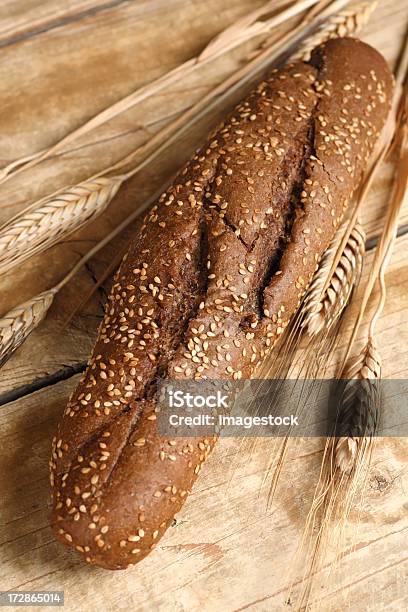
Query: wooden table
61, 61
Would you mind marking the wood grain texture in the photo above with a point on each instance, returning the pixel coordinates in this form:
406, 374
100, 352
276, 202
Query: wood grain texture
61, 62
29, 18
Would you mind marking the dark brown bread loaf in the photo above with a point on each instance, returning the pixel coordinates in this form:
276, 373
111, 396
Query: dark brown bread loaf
208, 286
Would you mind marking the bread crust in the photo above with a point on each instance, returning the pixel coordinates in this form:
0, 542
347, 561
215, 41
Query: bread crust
210, 282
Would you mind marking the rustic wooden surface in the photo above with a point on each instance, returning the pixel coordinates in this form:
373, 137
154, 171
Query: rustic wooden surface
61, 61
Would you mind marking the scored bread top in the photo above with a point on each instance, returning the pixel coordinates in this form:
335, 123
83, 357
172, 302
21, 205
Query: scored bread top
209, 284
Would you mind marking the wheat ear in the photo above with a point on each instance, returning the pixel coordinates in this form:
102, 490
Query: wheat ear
346, 23
323, 307
317, 316
359, 409
45, 223
368, 366
17, 324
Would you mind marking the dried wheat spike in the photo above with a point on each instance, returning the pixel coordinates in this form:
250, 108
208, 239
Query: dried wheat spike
313, 297
19, 322
321, 310
359, 409
346, 23
346, 461
52, 219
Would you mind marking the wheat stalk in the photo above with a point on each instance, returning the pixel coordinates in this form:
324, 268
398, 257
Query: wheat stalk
323, 307
44, 224
18, 324
254, 24
347, 454
346, 461
346, 23
368, 365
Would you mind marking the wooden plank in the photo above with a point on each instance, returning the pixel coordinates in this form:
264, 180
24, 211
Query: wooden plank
75, 71
63, 95
223, 533
20, 19
62, 65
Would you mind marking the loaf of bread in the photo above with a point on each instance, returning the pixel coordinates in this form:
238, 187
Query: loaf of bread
209, 284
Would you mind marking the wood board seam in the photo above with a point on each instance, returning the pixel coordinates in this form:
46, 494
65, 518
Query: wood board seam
65, 373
